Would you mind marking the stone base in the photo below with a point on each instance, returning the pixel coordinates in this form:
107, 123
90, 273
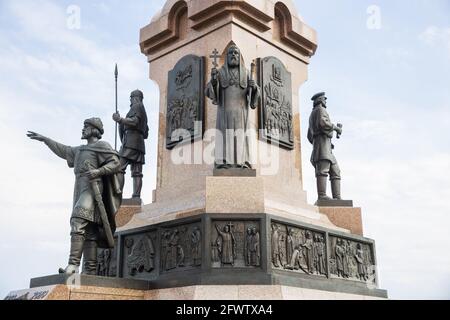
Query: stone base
129, 208
345, 217
193, 293
234, 172
334, 203
89, 281
186, 252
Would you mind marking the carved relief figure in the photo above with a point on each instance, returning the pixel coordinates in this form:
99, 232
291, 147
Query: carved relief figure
253, 255
184, 101
277, 259
346, 260
363, 274
290, 243
103, 264
248, 244
196, 245
320, 255
234, 91
276, 114
227, 244
308, 252
142, 256
174, 252
297, 259
215, 248
340, 257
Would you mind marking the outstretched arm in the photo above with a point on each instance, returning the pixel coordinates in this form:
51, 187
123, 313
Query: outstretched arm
62, 151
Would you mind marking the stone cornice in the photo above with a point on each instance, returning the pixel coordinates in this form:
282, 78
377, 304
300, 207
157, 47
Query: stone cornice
259, 15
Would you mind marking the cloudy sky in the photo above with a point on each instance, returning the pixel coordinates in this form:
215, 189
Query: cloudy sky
385, 66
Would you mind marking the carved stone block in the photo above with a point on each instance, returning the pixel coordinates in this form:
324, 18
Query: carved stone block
298, 249
247, 249
181, 248
139, 255
276, 118
185, 101
235, 244
107, 261
352, 260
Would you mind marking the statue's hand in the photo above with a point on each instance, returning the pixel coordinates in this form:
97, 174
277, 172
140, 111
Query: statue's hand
252, 84
36, 136
214, 75
93, 174
117, 117
338, 129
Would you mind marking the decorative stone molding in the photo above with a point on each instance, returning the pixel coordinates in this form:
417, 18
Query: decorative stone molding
275, 21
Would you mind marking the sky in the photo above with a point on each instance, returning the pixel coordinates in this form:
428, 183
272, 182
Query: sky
385, 66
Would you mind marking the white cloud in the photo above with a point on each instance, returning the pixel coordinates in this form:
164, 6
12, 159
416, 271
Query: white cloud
437, 37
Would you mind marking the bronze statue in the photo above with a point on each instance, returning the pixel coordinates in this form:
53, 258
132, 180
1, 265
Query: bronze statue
320, 133
233, 89
133, 132
95, 165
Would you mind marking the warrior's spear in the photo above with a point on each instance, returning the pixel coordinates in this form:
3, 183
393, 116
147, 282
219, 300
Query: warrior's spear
116, 73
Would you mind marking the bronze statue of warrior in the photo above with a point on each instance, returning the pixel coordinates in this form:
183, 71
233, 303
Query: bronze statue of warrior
133, 130
320, 133
95, 162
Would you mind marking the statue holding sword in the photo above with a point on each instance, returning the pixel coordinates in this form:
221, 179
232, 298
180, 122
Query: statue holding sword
97, 194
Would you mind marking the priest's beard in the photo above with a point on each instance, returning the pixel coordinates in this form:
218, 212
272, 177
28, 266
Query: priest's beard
233, 63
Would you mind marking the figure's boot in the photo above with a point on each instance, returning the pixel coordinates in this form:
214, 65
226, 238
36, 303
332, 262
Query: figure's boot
322, 188
76, 252
336, 189
90, 258
137, 187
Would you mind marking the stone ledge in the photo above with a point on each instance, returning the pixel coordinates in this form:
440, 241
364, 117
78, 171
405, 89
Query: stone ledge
89, 281
334, 203
193, 293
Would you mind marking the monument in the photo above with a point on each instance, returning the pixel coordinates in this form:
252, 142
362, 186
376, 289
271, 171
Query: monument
237, 226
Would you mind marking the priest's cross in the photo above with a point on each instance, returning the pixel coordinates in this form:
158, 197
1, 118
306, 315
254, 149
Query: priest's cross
231, 226
215, 56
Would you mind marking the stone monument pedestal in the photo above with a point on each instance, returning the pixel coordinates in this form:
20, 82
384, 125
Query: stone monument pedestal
218, 234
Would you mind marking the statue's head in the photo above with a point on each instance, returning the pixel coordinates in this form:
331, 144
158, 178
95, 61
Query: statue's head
234, 56
249, 231
93, 128
359, 246
227, 229
320, 99
137, 96
254, 231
